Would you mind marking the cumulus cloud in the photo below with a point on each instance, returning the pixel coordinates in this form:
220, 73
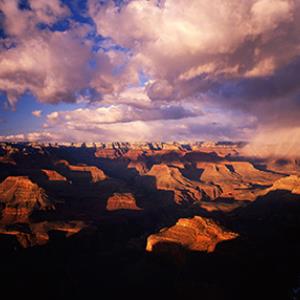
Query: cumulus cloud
134, 96
177, 39
18, 22
199, 47
37, 113
217, 69
38, 136
89, 117
166, 123
189, 129
51, 65
54, 66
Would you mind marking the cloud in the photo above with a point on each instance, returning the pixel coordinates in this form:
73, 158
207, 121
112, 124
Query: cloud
38, 136
273, 99
204, 47
133, 96
41, 11
216, 69
91, 117
176, 39
268, 14
165, 123
37, 113
275, 143
55, 66
52, 66
13, 138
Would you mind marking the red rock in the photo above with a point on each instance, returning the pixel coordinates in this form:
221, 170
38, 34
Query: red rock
108, 153
38, 233
53, 175
96, 174
134, 155
20, 197
121, 201
197, 234
139, 166
236, 180
82, 171
170, 179
290, 183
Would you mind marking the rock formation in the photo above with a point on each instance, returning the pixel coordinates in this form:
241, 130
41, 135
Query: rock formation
197, 234
237, 180
170, 179
20, 197
91, 173
290, 183
38, 233
120, 201
53, 175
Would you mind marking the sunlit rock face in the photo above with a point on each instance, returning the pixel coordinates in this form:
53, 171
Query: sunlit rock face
290, 183
109, 153
53, 175
121, 201
170, 179
197, 234
149, 178
37, 234
237, 180
20, 197
284, 165
91, 173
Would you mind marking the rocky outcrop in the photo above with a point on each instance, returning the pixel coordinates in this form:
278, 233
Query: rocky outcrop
252, 175
119, 201
237, 180
139, 166
38, 233
284, 165
196, 234
20, 197
170, 179
110, 153
290, 183
91, 173
53, 175
96, 174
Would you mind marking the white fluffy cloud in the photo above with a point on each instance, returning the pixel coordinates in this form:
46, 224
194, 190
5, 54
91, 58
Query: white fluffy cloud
53, 66
37, 113
213, 68
176, 41
91, 117
85, 125
19, 22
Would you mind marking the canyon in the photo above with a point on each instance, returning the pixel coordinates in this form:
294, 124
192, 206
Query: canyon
177, 218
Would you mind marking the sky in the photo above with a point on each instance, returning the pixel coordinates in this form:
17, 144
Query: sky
150, 70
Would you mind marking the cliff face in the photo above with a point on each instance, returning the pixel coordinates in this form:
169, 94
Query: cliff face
237, 180
183, 189
20, 197
91, 173
290, 183
198, 234
53, 175
119, 201
38, 233
170, 179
